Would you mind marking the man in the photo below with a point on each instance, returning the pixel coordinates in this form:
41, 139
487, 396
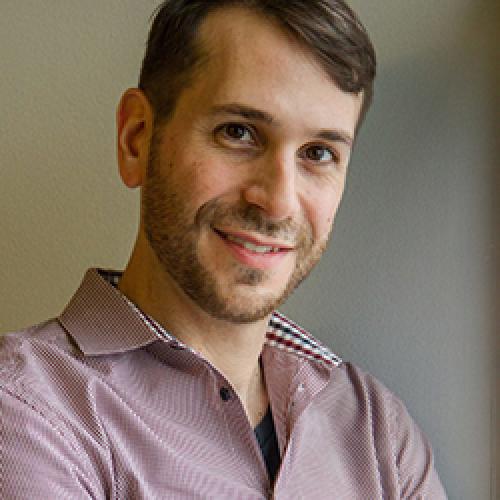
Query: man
177, 379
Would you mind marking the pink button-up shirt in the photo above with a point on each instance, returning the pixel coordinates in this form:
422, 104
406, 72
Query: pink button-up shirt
102, 403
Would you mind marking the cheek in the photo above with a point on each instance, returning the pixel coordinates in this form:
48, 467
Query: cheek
323, 225
320, 210
203, 181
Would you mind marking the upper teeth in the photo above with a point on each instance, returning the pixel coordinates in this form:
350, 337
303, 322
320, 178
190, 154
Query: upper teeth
252, 246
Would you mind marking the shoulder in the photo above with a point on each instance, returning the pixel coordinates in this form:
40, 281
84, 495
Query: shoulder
362, 387
44, 373
45, 455
27, 354
37, 365
375, 418
44, 416
359, 416
368, 403
24, 348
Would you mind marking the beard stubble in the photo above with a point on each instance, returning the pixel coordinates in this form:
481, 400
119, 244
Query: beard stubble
174, 238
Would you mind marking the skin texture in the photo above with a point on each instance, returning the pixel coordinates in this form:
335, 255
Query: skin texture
245, 154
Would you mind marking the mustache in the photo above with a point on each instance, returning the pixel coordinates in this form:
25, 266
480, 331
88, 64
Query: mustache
251, 218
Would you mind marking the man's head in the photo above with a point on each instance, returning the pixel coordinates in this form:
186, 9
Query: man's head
244, 168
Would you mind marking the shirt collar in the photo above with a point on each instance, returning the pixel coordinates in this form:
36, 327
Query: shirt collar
101, 320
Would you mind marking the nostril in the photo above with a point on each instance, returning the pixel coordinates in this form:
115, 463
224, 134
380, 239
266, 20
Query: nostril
278, 199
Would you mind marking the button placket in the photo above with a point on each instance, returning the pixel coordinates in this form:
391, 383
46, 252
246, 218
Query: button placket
231, 408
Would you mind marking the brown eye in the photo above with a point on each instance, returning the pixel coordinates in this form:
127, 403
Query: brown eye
237, 131
319, 154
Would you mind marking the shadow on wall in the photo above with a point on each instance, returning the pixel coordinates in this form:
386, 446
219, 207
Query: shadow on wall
468, 190
414, 273
487, 22
494, 58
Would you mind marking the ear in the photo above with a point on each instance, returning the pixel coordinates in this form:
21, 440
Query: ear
134, 123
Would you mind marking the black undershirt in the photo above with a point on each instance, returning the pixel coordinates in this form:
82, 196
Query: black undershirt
266, 436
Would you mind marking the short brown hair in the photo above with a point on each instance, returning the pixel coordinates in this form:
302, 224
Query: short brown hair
329, 28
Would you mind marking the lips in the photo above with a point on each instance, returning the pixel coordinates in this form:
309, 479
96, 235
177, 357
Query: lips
252, 244
251, 252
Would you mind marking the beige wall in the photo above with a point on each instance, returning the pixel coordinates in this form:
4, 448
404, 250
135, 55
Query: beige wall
406, 289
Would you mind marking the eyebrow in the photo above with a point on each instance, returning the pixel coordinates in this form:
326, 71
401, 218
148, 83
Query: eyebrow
335, 136
245, 112
250, 113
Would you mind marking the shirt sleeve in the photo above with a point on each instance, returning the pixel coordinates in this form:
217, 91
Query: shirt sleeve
418, 478
38, 460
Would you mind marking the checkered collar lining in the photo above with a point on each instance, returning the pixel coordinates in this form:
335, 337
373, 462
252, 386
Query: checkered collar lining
282, 333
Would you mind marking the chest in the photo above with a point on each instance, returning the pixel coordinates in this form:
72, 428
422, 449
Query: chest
197, 442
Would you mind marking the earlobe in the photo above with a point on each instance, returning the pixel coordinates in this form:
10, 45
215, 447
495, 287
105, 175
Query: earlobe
134, 127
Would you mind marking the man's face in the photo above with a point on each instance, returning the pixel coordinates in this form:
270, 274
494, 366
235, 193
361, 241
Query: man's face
246, 177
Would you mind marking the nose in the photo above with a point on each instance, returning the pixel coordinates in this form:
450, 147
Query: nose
273, 186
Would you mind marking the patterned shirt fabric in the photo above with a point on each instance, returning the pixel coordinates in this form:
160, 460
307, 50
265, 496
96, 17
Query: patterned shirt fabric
102, 403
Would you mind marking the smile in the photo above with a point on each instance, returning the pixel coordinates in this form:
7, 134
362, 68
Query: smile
251, 246
253, 253
253, 243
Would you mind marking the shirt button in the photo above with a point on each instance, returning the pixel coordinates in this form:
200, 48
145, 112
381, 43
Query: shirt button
225, 394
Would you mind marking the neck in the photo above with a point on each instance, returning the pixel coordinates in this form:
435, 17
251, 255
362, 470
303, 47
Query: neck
232, 348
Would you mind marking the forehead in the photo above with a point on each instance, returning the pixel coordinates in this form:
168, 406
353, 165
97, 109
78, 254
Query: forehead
253, 61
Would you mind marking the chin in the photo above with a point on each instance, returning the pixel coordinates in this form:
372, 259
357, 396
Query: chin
247, 304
